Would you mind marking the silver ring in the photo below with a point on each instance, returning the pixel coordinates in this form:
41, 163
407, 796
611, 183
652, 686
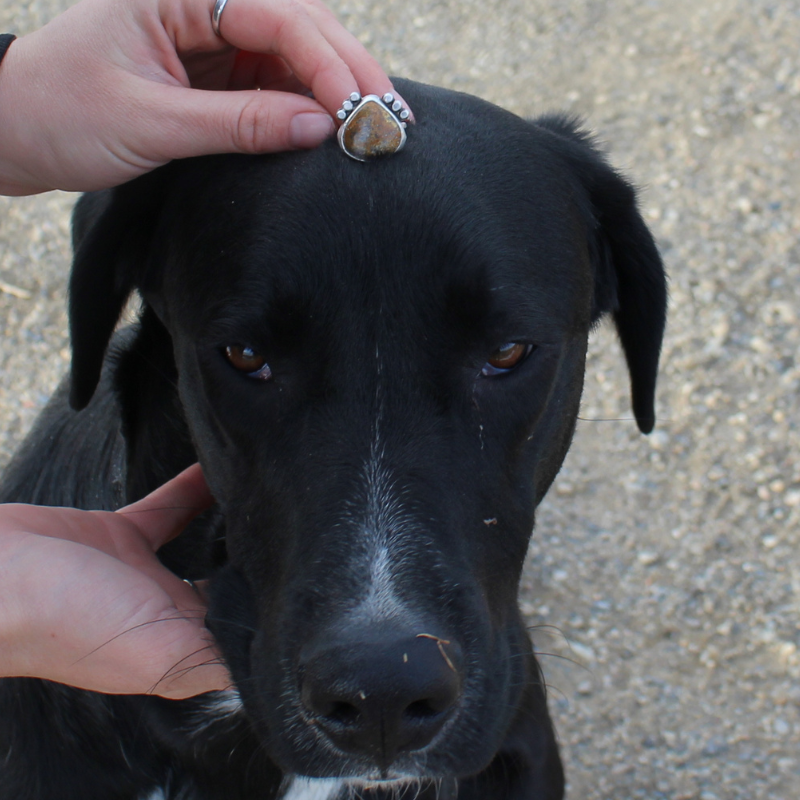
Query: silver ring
219, 7
372, 126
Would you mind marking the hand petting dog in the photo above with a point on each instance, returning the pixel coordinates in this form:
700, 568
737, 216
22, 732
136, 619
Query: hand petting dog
110, 90
84, 600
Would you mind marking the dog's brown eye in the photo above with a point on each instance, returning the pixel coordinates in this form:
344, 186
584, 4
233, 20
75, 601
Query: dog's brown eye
246, 360
505, 358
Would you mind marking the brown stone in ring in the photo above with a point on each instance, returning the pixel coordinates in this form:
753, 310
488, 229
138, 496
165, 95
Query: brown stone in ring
371, 131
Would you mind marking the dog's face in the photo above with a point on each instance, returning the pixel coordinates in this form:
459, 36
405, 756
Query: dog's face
381, 367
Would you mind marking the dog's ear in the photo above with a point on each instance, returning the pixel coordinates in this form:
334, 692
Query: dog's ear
630, 282
111, 234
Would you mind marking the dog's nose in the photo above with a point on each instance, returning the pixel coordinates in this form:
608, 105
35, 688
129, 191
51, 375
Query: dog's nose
380, 698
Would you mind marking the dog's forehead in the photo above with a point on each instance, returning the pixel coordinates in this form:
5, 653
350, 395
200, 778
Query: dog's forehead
477, 203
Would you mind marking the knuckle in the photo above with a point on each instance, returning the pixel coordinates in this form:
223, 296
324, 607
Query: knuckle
256, 127
288, 22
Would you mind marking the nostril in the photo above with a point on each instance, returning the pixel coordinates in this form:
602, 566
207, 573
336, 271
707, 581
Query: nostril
344, 714
323, 700
423, 710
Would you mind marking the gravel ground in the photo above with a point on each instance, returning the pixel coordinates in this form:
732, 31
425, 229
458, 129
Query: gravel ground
664, 576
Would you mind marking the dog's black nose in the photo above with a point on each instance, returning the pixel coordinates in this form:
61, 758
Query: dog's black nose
379, 698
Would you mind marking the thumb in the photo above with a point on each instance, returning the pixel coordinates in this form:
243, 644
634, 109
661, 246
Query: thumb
165, 512
197, 122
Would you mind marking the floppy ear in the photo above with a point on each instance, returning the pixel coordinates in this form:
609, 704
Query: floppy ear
111, 235
628, 258
629, 277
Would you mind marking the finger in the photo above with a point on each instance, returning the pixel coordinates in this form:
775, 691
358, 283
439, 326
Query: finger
286, 28
370, 75
164, 513
193, 122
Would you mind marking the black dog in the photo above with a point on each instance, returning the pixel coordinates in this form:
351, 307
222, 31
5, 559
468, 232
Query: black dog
379, 367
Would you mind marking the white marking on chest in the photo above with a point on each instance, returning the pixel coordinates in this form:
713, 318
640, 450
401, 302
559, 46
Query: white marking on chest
345, 789
314, 789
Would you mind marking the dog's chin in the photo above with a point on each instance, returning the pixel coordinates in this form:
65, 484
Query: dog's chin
302, 788
361, 775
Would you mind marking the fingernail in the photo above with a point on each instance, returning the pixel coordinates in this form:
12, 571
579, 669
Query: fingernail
310, 129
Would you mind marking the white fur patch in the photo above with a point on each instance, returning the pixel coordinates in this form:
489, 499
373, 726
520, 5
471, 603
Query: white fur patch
217, 706
314, 789
318, 789
343, 789
383, 520
226, 703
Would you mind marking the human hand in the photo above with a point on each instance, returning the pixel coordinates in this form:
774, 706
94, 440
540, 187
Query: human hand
113, 88
84, 601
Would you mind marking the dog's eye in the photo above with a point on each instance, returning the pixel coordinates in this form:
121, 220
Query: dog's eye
505, 358
246, 360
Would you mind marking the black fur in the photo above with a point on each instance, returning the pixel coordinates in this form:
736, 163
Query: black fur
376, 292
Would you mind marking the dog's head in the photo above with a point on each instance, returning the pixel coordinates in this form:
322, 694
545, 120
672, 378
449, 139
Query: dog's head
381, 366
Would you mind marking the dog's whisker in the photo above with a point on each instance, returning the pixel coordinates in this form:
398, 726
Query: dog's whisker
223, 622
181, 616
561, 657
605, 419
557, 689
211, 662
172, 673
546, 626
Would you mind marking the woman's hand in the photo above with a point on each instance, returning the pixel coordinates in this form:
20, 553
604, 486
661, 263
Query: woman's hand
84, 600
113, 88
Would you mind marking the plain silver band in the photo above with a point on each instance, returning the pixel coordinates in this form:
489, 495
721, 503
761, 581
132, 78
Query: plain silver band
219, 7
